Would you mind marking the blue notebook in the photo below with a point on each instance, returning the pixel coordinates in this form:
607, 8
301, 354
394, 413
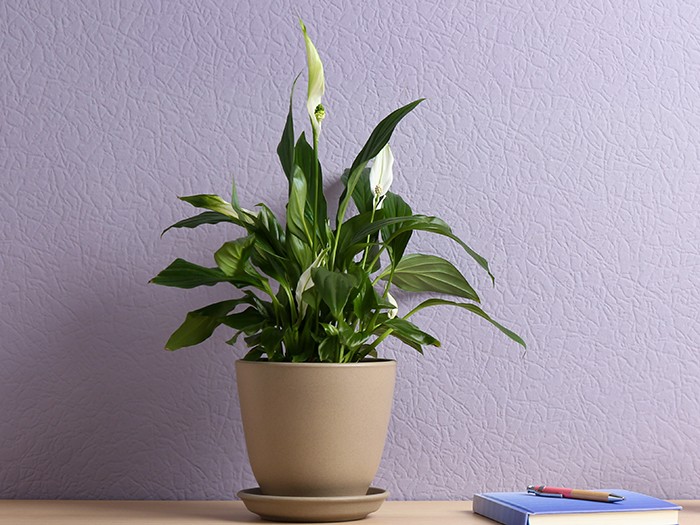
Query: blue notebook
521, 508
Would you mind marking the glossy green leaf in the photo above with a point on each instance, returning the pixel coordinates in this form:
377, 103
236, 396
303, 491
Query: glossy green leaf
350, 244
366, 299
200, 324
234, 195
254, 355
475, 310
267, 340
347, 247
430, 273
299, 252
296, 219
267, 227
248, 321
377, 140
395, 206
362, 195
334, 288
208, 217
270, 252
329, 350
285, 149
381, 134
219, 205
305, 158
409, 334
184, 274
363, 352
233, 256
351, 338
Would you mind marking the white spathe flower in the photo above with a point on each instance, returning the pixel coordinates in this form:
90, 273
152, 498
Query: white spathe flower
317, 84
381, 175
306, 283
395, 310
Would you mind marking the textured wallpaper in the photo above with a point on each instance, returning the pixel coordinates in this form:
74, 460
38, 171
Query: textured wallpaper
560, 139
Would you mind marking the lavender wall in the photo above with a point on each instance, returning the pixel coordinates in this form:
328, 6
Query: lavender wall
561, 139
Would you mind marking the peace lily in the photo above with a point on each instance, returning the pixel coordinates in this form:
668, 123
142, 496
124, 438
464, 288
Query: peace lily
309, 290
305, 283
395, 310
381, 175
316, 84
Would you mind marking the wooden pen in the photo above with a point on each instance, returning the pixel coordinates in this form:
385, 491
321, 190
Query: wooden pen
558, 492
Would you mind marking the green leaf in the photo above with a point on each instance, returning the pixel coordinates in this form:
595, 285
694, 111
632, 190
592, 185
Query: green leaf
334, 288
208, 217
395, 206
211, 202
234, 339
269, 247
311, 298
184, 274
351, 243
234, 195
233, 256
254, 355
296, 220
329, 350
364, 351
350, 337
200, 324
268, 227
365, 302
362, 195
430, 273
409, 334
299, 252
475, 310
268, 340
285, 149
347, 249
248, 321
381, 134
305, 158
377, 140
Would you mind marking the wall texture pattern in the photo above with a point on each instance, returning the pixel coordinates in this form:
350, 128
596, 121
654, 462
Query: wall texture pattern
562, 139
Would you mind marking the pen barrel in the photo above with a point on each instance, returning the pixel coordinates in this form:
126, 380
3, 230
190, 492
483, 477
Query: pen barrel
592, 495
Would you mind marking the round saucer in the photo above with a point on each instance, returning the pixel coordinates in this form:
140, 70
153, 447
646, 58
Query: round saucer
293, 508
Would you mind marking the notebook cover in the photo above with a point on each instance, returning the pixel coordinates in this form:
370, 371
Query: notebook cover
513, 508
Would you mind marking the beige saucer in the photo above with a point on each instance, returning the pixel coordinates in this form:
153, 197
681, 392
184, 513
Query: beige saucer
292, 508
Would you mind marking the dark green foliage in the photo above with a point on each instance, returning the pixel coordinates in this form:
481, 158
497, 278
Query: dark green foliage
315, 290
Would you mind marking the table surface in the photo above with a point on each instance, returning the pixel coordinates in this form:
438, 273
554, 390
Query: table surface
67, 512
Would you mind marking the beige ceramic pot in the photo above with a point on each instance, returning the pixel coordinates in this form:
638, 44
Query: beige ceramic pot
315, 429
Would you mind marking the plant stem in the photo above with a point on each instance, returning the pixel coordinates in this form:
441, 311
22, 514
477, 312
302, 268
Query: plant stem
350, 189
371, 220
317, 188
373, 345
381, 250
386, 334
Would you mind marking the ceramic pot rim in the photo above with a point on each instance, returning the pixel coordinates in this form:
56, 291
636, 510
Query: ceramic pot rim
361, 364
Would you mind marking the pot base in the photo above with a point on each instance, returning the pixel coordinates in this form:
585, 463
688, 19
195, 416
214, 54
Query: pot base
317, 510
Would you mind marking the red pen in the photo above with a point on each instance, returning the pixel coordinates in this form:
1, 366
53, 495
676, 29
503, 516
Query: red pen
558, 492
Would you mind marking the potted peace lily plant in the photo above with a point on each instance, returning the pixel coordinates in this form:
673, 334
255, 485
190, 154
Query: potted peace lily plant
314, 305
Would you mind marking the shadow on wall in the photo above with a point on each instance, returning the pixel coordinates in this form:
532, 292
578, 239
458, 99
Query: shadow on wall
95, 409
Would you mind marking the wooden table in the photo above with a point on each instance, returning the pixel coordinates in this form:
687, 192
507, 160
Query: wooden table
65, 512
